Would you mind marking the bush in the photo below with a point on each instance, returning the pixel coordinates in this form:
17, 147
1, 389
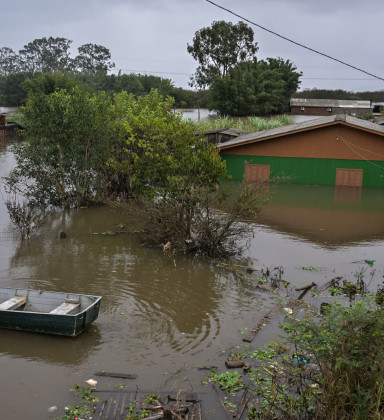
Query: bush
335, 372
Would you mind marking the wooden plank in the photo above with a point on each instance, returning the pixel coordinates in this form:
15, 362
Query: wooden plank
13, 303
117, 406
252, 334
305, 289
123, 406
116, 375
222, 402
329, 284
65, 308
109, 408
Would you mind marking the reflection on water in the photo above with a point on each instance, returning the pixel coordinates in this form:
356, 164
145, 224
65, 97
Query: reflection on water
49, 348
158, 312
326, 215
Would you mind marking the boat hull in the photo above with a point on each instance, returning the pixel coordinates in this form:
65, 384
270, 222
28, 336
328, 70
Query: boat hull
35, 316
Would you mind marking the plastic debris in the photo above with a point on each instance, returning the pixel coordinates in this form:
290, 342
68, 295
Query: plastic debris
91, 382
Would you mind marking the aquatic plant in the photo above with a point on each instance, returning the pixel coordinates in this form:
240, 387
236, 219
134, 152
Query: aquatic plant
251, 124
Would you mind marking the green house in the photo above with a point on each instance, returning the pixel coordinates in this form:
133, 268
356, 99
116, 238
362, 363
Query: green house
335, 150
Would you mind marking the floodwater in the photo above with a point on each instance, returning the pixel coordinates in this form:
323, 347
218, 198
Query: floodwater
161, 317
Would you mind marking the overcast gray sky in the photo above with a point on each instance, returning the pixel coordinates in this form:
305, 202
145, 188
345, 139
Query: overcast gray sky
152, 35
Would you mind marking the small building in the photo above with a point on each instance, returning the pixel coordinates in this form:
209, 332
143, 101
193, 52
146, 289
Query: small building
378, 108
301, 106
223, 135
336, 150
8, 130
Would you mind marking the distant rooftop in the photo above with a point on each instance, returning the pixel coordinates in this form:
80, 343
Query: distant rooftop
331, 103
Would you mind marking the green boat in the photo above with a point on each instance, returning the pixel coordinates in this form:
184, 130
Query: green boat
47, 312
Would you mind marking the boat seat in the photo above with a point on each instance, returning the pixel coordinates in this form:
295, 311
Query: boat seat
65, 308
13, 303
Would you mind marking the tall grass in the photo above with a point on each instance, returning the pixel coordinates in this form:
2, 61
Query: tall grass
250, 124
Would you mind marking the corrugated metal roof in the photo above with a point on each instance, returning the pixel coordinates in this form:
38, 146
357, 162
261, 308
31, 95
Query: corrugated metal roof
305, 125
330, 103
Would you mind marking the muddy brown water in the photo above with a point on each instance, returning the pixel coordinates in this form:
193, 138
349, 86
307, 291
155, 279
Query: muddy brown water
163, 317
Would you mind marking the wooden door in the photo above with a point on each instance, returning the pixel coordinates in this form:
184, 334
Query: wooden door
349, 177
256, 173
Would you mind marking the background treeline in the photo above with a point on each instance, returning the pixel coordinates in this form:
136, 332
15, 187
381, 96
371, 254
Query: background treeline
14, 86
50, 58
377, 96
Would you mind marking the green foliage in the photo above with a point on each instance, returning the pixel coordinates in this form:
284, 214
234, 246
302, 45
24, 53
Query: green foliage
48, 60
160, 151
14, 86
8, 61
68, 138
335, 371
230, 382
315, 93
255, 88
151, 398
238, 352
262, 354
335, 291
251, 124
219, 48
87, 405
45, 55
93, 58
11, 91
48, 83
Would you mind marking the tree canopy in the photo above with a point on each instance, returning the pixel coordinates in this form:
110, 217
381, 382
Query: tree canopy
255, 88
51, 54
219, 48
93, 58
68, 137
45, 55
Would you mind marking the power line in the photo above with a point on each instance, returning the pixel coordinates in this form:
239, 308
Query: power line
332, 78
294, 42
151, 71
190, 74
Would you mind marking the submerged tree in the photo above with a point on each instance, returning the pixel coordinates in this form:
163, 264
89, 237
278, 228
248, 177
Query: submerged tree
26, 215
67, 141
81, 149
175, 175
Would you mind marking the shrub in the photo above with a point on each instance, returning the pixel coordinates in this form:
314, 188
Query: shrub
335, 372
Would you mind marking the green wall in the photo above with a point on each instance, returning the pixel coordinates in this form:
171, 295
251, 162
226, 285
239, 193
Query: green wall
306, 170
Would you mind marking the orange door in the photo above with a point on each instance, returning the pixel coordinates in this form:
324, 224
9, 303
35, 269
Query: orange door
349, 177
258, 173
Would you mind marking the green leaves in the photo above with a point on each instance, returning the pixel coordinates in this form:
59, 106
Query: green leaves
255, 88
219, 48
161, 151
68, 139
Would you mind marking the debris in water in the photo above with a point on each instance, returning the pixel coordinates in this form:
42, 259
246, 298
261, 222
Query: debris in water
91, 382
